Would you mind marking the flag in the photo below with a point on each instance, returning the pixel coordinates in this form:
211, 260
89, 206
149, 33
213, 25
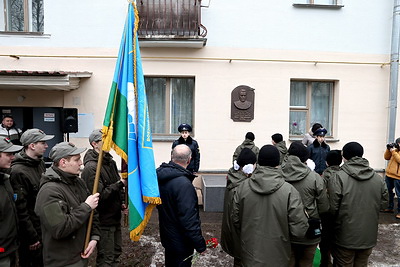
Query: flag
126, 128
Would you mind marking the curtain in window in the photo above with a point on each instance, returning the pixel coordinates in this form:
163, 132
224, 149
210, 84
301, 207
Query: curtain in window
155, 90
321, 104
181, 102
298, 98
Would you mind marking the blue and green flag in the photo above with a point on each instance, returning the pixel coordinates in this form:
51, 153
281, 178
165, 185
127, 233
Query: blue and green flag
126, 128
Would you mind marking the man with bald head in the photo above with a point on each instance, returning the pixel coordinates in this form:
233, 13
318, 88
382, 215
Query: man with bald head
179, 220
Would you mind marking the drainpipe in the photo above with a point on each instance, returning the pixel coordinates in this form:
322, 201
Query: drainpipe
394, 72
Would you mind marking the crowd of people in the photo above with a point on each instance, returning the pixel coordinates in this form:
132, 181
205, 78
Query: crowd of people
280, 203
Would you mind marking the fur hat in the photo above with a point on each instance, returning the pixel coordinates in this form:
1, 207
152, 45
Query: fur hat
334, 158
246, 156
250, 136
352, 149
269, 156
320, 132
299, 150
277, 137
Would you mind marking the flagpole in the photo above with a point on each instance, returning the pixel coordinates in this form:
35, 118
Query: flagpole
95, 187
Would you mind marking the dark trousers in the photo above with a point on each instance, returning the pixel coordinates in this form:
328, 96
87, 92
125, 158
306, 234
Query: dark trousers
175, 259
30, 258
327, 237
109, 246
302, 255
343, 257
9, 260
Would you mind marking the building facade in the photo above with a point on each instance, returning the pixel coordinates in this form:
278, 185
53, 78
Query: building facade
302, 62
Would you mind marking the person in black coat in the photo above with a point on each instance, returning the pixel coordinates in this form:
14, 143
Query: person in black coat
179, 220
185, 130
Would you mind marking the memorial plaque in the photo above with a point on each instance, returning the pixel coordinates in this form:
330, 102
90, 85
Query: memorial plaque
242, 103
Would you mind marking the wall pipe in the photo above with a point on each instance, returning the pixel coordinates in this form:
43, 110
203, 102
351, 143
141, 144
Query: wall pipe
394, 72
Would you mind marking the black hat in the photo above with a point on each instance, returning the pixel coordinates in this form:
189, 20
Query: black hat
334, 158
277, 137
8, 116
352, 149
184, 127
269, 156
299, 150
250, 136
320, 132
315, 127
246, 156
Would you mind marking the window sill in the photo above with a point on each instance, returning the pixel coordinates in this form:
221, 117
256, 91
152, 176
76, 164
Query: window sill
328, 140
319, 6
24, 34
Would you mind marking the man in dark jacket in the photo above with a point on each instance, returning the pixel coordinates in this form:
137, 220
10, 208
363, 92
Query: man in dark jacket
356, 194
111, 189
8, 212
313, 194
185, 130
318, 150
267, 212
26, 170
64, 205
179, 220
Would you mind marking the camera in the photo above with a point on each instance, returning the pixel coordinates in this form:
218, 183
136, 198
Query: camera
392, 145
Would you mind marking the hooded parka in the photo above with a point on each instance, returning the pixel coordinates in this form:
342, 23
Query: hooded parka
230, 240
356, 194
246, 143
281, 146
179, 220
64, 215
312, 191
267, 211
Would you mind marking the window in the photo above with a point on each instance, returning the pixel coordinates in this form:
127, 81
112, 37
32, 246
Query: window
22, 16
310, 102
170, 103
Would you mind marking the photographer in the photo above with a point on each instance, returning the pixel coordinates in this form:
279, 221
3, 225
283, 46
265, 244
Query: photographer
393, 175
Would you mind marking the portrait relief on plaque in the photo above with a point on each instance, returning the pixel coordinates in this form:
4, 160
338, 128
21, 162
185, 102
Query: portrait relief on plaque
242, 103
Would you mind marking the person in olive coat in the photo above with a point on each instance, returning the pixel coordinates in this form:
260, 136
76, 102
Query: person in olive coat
8, 211
230, 241
267, 212
356, 195
314, 196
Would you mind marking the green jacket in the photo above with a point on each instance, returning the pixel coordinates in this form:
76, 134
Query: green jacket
311, 188
25, 179
356, 194
64, 215
230, 240
328, 173
267, 212
281, 146
8, 218
246, 143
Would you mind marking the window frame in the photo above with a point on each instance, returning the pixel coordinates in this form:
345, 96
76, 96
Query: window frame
167, 135
28, 18
307, 107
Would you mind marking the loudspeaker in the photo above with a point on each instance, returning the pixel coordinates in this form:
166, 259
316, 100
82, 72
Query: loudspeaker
69, 120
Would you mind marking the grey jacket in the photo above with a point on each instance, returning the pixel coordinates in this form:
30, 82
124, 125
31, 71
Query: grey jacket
311, 188
356, 194
267, 212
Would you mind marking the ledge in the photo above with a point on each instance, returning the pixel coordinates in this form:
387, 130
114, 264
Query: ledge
328, 140
318, 6
171, 42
